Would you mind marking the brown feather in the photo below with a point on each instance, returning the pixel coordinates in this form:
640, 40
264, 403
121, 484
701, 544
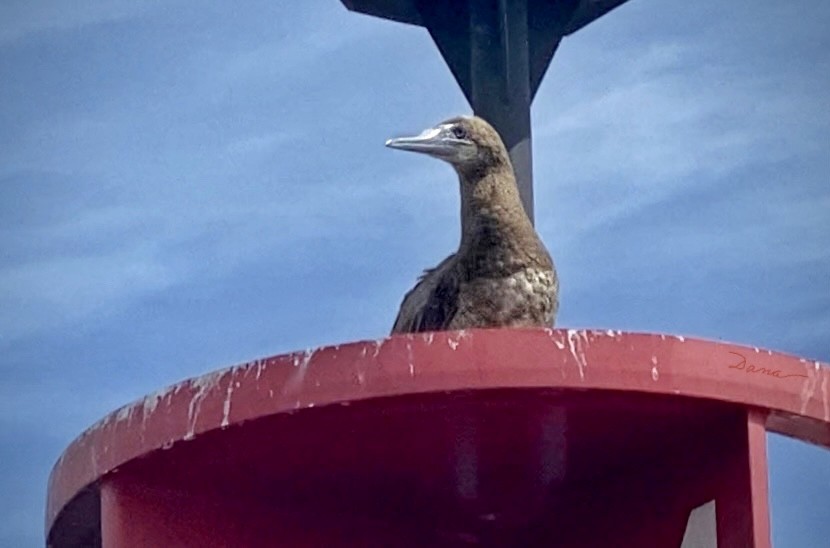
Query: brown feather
502, 275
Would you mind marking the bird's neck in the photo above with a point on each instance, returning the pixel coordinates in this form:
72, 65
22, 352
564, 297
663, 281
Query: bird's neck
492, 215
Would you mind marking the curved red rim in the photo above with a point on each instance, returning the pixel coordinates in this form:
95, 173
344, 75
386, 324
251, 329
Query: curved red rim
795, 391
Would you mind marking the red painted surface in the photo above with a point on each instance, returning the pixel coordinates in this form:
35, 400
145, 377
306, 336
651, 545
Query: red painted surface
563, 438
743, 492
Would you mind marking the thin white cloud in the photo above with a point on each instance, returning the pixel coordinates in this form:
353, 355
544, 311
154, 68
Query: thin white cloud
185, 193
57, 291
24, 18
145, 248
673, 118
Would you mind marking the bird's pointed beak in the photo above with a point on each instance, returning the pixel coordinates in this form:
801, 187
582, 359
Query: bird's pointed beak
436, 141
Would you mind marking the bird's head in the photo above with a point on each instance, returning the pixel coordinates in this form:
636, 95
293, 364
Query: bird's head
467, 142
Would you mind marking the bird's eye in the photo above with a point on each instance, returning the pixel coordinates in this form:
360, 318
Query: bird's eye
459, 132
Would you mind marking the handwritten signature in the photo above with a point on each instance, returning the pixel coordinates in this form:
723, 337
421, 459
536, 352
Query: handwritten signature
749, 368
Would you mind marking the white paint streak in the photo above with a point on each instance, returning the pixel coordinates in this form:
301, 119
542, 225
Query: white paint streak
226, 405
808, 389
378, 345
125, 413
410, 358
453, 343
301, 361
202, 385
578, 353
149, 405
655, 374
559, 344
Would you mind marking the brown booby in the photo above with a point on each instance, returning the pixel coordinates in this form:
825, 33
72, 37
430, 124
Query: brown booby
502, 275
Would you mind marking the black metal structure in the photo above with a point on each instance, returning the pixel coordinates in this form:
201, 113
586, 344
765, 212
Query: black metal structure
498, 51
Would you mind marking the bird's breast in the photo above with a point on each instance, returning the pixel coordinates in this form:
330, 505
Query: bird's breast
528, 297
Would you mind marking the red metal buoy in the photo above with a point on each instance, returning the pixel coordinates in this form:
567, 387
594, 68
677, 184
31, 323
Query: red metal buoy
493, 437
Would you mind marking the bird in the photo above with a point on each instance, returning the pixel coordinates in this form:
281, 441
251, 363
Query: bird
502, 275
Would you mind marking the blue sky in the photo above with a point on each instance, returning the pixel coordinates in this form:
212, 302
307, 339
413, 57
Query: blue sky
185, 186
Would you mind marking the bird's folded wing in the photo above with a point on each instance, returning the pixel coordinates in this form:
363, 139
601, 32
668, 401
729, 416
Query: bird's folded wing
432, 303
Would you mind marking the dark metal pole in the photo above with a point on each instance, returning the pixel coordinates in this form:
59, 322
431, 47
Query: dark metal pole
498, 51
486, 45
500, 80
